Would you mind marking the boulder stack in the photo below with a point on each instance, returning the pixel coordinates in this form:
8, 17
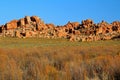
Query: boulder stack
74, 31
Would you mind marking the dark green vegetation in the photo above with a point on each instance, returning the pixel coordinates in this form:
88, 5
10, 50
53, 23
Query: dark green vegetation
59, 59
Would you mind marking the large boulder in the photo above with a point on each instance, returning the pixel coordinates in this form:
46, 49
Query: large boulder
27, 20
11, 25
62, 34
50, 26
21, 22
116, 26
87, 23
75, 24
41, 27
17, 34
35, 19
1, 28
72, 25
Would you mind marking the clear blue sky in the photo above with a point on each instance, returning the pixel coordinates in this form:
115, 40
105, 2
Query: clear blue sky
60, 12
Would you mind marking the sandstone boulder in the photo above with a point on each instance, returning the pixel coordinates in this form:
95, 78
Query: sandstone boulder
21, 22
27, 20
87, 23
62, 34
50, 26
69, 25
74, 31
35, 19
116, 26
11, 25
1, 28
72, 38
17, 34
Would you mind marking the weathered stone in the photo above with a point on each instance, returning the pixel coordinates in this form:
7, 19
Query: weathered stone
21, 22
87, 23
84, 39
74, 31
62, 35
17, 34
11, 25
50, 26
35, 19
27, 20
99, 30
73, 38
1, 28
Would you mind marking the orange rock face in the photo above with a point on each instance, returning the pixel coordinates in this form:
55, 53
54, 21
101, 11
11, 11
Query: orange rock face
11, 25
35, 19
74, 31
27, 20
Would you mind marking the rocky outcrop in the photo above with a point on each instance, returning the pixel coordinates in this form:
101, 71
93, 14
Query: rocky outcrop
74, 31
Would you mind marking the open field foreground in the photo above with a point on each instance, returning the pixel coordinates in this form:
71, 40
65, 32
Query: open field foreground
59, 59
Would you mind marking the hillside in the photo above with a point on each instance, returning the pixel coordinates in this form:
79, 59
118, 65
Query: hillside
87, 30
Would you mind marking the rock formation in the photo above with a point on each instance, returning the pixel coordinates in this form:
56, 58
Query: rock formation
74, 31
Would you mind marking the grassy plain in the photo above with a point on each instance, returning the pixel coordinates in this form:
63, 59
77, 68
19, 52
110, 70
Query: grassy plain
59, 59
38, 42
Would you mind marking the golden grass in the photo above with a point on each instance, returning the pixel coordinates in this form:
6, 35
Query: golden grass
67, 63
74, 61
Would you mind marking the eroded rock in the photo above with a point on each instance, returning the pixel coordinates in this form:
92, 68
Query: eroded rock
74, 31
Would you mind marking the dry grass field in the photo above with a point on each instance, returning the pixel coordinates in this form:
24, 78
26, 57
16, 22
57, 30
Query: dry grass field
59, 59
